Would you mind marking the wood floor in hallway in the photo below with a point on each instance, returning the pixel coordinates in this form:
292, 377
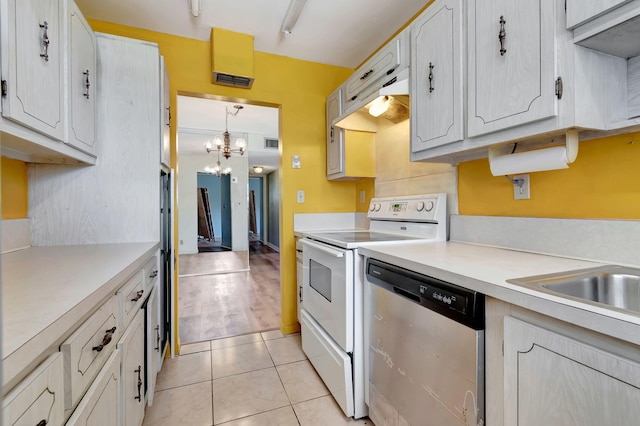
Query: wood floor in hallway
232, 303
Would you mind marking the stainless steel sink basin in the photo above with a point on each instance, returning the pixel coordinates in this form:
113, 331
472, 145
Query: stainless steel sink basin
613, 286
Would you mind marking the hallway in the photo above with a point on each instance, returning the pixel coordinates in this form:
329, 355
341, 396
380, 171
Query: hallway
222, 303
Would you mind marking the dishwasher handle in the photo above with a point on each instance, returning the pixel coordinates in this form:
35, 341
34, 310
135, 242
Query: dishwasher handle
407, 294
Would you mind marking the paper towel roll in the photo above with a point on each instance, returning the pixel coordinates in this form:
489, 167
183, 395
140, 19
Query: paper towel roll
530, 161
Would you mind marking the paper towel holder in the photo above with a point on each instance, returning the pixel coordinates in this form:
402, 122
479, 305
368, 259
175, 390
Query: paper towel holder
571, 144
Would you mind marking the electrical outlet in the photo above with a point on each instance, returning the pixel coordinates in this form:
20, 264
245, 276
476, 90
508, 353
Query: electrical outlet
300, 196
522, 192
295, 161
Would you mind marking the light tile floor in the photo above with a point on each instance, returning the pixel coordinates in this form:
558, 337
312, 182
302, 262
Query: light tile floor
256, 379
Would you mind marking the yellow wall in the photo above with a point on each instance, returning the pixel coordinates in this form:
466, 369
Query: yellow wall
14, 189
299, 88
603, 183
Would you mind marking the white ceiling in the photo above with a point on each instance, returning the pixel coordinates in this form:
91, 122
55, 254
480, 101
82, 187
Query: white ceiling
336, 32
202, 119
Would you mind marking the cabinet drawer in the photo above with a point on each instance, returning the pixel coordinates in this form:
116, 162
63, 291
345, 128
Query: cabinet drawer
130, 298
383, 63
38, 398
87, 349
101, 404
151, 272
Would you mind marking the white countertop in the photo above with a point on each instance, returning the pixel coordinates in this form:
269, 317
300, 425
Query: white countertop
48, 290
486, 269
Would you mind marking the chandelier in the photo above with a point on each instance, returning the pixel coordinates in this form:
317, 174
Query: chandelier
223, 145
217, 169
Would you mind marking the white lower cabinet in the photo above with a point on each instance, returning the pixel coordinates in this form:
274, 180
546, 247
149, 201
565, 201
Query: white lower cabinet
38, 399
551, 379
154, 342
132, 372
101, 404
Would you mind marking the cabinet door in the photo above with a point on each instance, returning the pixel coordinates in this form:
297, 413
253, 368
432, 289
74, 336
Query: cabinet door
550, 379
513, 82
436, 76
154, 342
101, 404
165, 95
33, 65
38, 399
132, 348
335, 135
82, 81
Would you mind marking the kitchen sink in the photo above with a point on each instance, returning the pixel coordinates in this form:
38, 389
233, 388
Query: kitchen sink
614, 286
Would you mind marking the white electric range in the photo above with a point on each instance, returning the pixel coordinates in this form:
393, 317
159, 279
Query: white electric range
333, 285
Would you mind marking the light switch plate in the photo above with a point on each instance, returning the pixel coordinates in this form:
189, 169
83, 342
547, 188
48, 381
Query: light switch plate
234, 179
295, 161
300, 196
522, 192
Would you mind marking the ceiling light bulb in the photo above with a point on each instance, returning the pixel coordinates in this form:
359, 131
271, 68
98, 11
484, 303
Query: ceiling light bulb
227, 170
241, 143
218, 142
257, 169
379, 106
208, 146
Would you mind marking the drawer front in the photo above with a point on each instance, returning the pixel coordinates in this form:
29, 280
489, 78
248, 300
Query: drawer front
86, 351
38, 399
101, 404
130, 298
151, 272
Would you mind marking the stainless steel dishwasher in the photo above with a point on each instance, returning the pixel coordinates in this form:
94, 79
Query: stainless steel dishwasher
425, 343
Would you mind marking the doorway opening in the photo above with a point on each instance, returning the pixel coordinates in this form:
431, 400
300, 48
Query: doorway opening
229, 281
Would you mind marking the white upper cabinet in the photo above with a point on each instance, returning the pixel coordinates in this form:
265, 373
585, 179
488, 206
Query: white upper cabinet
511, 66
383, 63
82, 82
335, 135
32, 65
436, 76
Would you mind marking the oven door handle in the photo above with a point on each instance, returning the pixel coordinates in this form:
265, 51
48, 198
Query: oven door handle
323, 248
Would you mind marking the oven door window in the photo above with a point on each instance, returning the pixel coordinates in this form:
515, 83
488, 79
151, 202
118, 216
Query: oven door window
320, 279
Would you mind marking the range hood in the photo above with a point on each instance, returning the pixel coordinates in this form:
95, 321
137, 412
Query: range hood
397, 94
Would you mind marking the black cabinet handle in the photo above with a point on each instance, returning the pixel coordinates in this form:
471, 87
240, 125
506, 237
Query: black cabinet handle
366, 74
105, 340
42, 422
430, 77
502, 36
87, 84
45, 41
139, 371
157, 338
138, 296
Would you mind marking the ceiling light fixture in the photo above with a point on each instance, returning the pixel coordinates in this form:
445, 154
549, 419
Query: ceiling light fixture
257, 169
292, 15
223, 145
194, 6
217, 169
379, 106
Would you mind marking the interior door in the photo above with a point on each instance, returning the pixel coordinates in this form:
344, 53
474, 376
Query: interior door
166, 254
225, 200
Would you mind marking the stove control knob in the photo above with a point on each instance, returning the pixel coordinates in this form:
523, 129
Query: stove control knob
430, 206
372, 207
420, 206
378, 206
